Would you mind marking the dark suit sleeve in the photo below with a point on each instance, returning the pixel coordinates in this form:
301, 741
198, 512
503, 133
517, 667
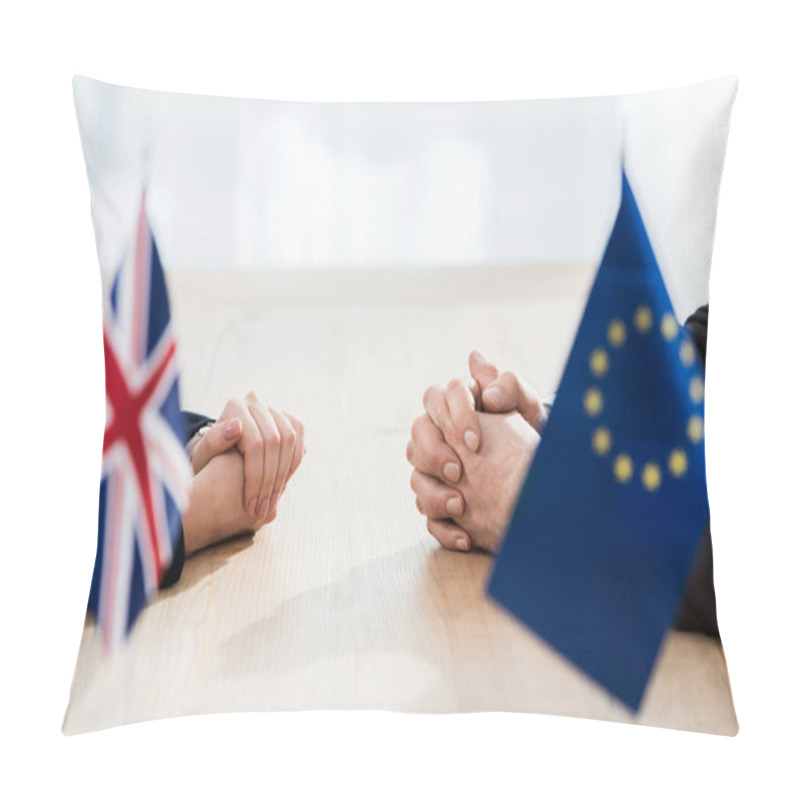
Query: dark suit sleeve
698, 609
192, 423
697, 326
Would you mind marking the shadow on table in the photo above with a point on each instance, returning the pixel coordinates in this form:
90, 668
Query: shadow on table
412, 602
200, 565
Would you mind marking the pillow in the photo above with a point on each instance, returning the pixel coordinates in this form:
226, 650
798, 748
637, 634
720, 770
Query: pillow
300, 273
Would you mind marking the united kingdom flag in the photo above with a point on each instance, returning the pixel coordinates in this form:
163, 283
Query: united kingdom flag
145, 470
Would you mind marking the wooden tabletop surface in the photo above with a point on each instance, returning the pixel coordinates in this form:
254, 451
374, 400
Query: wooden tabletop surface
345, 601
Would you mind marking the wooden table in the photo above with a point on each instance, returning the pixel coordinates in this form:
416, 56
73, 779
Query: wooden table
345, 601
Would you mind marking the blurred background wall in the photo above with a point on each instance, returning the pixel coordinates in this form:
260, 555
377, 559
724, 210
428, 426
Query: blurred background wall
246, 184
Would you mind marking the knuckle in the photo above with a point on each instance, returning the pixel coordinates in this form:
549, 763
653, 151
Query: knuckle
417, 427
257, 443
454, 386
510, 379
432, 394
285, 429
409, 451
271, 437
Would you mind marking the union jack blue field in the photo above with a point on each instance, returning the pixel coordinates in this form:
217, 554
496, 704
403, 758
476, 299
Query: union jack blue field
145, 470
609, 519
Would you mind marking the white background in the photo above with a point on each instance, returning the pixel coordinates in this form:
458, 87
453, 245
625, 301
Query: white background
52, 398
268, 184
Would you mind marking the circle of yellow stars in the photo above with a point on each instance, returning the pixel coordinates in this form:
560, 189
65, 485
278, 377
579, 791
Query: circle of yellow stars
622, 464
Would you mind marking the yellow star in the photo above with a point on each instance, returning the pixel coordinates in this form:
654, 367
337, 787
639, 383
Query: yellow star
593, 402
651, 476
678, 463
598, 362
601, 440
687, 353
669, 327
623, 467
616, 333
643, 319
694, 430
696, 389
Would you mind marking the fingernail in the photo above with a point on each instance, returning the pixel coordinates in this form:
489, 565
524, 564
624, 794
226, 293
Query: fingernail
451, 471
492, 395
453, 506
251, 507
232, 429
471, 440
462, 543
262, 509
273, 501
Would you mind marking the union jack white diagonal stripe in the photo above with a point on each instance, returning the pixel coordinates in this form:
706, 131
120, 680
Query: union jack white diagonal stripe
145, 471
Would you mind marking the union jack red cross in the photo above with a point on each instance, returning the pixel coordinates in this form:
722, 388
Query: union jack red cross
145, 470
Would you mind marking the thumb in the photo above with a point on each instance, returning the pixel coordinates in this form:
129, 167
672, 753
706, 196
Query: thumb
510, 393
483, 371
219, 438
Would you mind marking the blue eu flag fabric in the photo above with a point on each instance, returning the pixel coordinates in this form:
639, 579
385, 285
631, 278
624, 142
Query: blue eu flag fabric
610, 517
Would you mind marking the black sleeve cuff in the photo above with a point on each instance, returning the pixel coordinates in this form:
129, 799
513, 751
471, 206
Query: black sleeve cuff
697, 325
698, 609
192, 423
175, 569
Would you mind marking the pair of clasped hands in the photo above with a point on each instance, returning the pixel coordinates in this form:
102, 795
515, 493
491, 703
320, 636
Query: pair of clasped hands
470, 451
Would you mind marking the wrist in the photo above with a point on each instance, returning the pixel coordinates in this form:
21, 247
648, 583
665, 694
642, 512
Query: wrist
195, 440
215, 511
196, 535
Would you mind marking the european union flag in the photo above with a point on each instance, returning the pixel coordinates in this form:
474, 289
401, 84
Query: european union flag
609, 519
